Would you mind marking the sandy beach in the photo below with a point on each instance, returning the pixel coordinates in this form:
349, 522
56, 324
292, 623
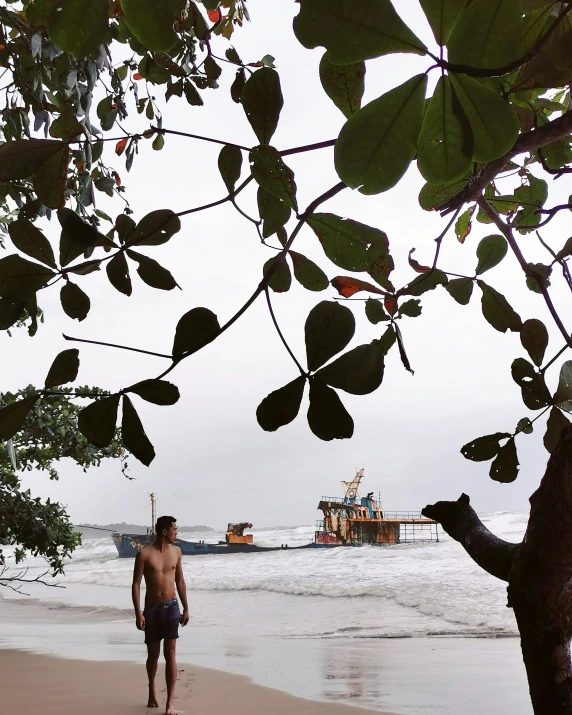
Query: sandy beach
36, 683
87, 661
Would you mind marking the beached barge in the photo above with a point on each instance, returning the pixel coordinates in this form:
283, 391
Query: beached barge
350, 520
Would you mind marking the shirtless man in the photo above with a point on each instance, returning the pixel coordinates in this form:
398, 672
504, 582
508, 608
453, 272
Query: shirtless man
160, 565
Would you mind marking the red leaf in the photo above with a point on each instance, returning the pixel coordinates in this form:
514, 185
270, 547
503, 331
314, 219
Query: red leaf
347, 286
117, 178
417, 266
390, 304
137, 76
120, 146
214, 15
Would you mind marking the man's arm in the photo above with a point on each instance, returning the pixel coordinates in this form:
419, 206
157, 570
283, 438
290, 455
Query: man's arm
136, 590
182, 589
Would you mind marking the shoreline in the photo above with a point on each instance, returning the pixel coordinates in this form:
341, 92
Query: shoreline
63, 685
439, 675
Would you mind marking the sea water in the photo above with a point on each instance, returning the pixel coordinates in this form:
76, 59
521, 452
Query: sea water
305, 620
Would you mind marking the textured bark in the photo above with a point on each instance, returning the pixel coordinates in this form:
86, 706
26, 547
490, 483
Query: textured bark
539, 572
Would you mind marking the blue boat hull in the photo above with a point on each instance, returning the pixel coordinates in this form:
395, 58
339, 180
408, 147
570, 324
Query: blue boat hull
128, 545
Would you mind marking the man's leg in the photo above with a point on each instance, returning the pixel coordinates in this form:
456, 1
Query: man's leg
153, 651
170, 673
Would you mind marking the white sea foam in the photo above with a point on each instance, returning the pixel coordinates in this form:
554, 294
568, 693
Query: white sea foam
402, 590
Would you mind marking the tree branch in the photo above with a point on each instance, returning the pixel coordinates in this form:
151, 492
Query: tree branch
113, 345
527, 142
460, 521
506, 230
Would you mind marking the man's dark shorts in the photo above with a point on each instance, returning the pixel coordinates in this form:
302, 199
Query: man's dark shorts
161, 621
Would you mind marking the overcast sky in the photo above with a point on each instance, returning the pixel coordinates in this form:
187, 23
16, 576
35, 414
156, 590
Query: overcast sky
214, 464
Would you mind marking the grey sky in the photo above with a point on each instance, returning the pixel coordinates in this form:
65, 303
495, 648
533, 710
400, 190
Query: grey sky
214, 464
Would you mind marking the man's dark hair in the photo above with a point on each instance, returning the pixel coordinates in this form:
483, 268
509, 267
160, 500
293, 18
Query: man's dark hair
164, 522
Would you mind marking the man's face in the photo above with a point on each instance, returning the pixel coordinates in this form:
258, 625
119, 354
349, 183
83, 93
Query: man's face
171, 533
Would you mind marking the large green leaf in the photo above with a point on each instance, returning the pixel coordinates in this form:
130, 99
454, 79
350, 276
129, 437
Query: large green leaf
20, 278
273, 212
359, 371
505, 467
554, 426
327, 417
344, 84
152, 272
490, 252
20, 159
272, 174
442, 16
328, 329
281, 280
388, 339
77, 236
97, 421
155, 228
494, 123
262, 100
532, 196
151, 21
280, 407
563, 395
488, 34
351, 32
159, 392
30, 240
64, 368
534, 339
535, 394
75, 302
118, 273
78, 26
133, 434
229, 165
433, 195
424, 282
375, 311
445, 145
551, 66
497, 310
195, 329
354, 246
50, 181
13, 416
10, 312
461, 289
483, 448
307, 273
377, 144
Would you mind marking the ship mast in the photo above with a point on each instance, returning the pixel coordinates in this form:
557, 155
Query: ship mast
353, 486
152, 513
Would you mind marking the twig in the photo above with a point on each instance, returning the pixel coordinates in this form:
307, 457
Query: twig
308, 147
282, 338
113, 345
506, 230
268, 275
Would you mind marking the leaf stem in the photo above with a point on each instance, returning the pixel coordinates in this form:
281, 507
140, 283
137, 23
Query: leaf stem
113, 345
282, 338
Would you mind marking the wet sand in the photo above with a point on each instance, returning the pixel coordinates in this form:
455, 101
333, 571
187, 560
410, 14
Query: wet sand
44, 684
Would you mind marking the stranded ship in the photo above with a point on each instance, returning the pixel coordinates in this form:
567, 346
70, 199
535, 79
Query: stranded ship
349, 520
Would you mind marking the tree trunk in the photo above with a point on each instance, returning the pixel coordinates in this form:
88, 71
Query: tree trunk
539, 575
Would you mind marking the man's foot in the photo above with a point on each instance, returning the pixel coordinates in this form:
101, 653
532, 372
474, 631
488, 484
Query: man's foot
152, 703
170, 709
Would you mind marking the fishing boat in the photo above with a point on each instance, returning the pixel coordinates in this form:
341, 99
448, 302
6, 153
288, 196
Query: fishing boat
236, 541
349, 520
